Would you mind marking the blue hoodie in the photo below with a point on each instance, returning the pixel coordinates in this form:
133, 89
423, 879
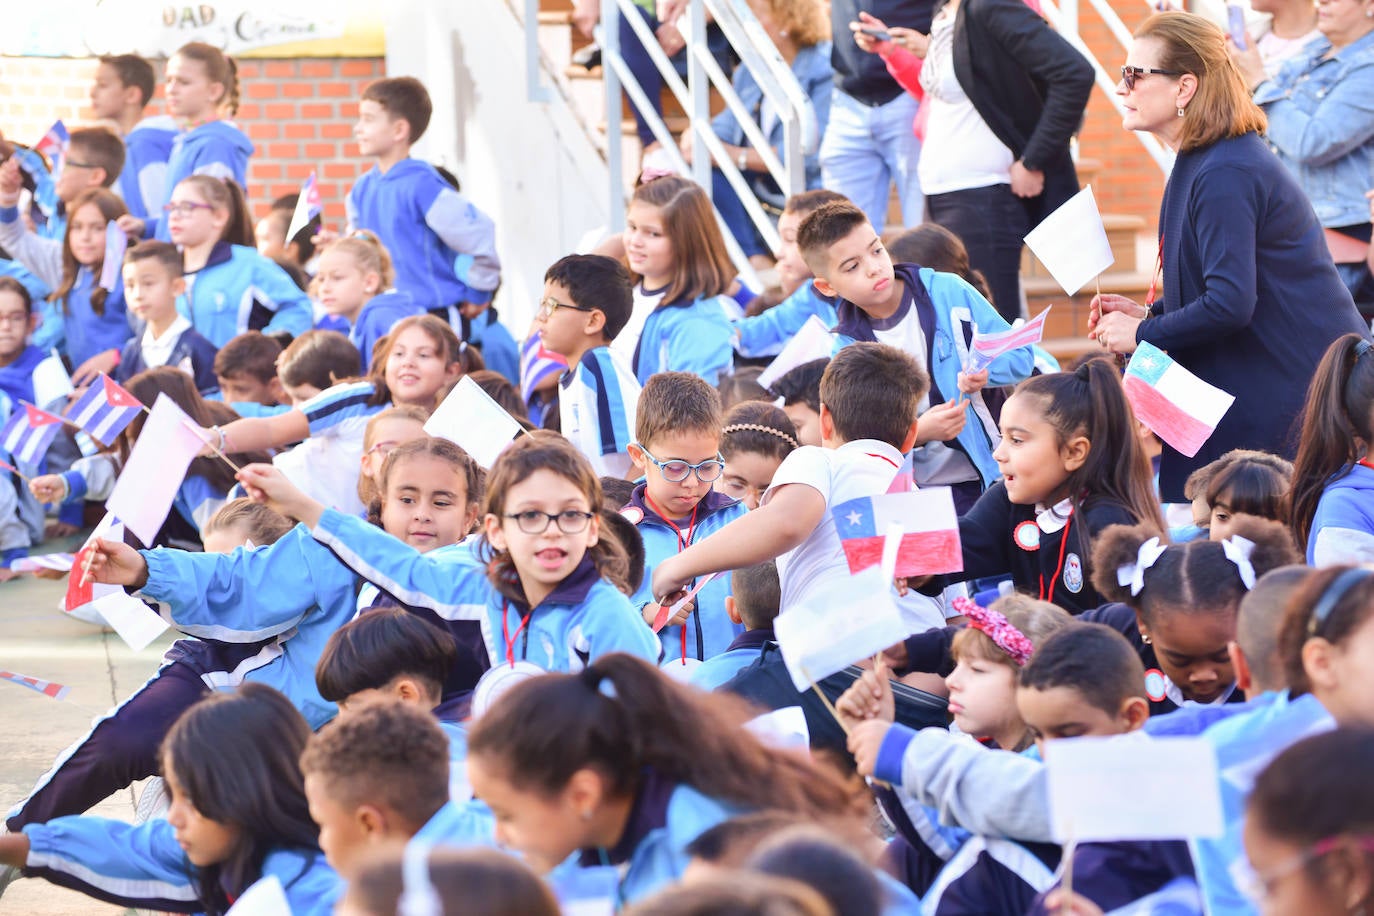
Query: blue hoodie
16, 379
499, 350
87, 333
1343, 526
767, 334
379, 314
239, 290
694, 336
444, 248
215, 148
147, 149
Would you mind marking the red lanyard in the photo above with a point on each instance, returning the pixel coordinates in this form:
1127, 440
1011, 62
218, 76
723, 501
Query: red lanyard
1155, 277
505, 631
683, 541
1059, 569
1366, 462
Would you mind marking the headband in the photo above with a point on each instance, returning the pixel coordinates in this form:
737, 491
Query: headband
740, 427
1332, 595
995, 626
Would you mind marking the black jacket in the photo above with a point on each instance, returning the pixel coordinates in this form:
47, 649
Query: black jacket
1030, 87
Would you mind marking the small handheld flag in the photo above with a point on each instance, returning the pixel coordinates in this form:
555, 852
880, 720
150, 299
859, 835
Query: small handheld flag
929, 531
116, 243
905, 481
54, 144
537, 363
47, 688
1072, 242
29, 432
987, 347
308, 207
105, 409
470, 419
1175, 404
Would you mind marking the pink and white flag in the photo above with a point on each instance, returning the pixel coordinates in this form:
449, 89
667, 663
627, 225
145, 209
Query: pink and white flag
47, 688
987, 347
1176, 405
143, 494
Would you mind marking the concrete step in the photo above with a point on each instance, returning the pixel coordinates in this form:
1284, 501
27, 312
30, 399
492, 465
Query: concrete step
1070, 315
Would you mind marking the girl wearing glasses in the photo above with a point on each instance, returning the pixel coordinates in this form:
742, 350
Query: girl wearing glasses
1250, 299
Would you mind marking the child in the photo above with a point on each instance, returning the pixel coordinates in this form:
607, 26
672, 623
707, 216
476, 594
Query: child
756, 438
1331, 475
313, 362
17, 356
237, 815
1248, 488
246, 372
202, 87
753, 603
677, 447
930, 315
152, 283
230, 288
680, 321
121, 90
379, 775
637, 755
445, 247
270, 235
386, 654
799, 389
88, 322
354, 282
767, 333
587, 301
556, 583
868, 421
467, 880
94, 159
1071, 466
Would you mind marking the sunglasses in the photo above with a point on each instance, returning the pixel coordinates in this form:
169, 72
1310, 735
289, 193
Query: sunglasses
1129, 75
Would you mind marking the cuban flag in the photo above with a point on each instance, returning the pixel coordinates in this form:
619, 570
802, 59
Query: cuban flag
1176, 405
537, 363
308, 206
47, 688
929, 531
29, 432
54, 144
987, 347
105, 409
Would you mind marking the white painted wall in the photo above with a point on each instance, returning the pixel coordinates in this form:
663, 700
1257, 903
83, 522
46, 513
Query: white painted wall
529, 165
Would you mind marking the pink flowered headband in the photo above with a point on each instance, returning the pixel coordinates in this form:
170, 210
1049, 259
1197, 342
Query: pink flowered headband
996, 627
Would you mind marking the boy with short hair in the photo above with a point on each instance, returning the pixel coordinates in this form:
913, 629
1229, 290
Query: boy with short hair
315, 361
869, 395
587, 300
380, 775
930, 315
152, 282
444, 248
800, 391
246, 369
94, 159
122, 89
677, 447
753, 603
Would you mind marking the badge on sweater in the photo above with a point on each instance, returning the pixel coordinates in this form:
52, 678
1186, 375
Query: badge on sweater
1156, 688
634, 514
1073, 573
1027, 535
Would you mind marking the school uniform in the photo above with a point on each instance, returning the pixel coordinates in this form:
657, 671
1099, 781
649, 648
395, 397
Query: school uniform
444, 248
469, 823
179, 346
378, 316
934, 323
326, 465
709, 630
239, 290
1343, 525
1118, 876
597, 403
87, 332
38, 290
143, 866
767, 334
743, 651
583, 618
143, 181
16, 379
500, 352
215, 148
686, 336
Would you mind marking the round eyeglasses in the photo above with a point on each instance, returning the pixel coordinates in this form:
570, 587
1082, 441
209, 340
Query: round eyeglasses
569, 521
676, 470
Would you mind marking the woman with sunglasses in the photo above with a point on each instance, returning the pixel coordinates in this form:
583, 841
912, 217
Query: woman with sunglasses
1250, 299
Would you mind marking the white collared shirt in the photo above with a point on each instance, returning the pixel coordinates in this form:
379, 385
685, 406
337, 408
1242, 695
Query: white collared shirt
158, 350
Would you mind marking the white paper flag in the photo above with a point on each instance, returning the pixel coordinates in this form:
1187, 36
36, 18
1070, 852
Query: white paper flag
837, 625
1072, 242
470, 419
51, 383
265, 897
813, 341
135, 622
143, 494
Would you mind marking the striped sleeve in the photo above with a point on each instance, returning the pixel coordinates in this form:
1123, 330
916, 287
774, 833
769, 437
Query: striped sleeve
332, 406
138, 866
613, 391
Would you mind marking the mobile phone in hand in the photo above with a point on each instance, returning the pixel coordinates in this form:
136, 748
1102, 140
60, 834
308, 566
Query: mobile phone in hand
877, 34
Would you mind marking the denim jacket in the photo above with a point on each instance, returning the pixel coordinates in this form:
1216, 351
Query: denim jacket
1321, 125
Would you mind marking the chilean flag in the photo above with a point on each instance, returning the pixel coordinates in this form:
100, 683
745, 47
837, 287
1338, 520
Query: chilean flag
105, 409
29, 432
929, 525
308, 206
987, 347
47, 688
1176, 405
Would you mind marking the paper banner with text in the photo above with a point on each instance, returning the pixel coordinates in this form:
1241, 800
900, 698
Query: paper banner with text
143, 494
1072, 242
470, 419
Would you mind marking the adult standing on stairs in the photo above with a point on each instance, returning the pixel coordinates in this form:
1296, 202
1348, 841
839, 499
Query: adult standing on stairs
1250, 296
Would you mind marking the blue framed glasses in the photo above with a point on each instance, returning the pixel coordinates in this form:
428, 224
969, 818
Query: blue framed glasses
677, 470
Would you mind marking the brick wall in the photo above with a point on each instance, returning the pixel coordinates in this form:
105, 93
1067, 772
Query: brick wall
299, 113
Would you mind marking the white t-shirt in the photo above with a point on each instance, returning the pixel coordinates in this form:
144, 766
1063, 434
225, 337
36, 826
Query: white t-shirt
864, 467
645, 301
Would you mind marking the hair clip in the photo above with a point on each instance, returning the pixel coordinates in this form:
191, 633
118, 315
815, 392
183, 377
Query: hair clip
1238, 550
1133, 574
995, 626
740, 427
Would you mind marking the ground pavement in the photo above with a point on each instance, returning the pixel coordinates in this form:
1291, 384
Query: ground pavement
38, 640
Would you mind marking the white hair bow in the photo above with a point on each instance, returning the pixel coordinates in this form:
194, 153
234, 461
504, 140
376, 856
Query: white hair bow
1133, 574
1238, 550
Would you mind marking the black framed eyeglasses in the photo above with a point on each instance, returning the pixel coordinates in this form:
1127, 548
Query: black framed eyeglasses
549, 305
1129, 75
569, 521
677, 470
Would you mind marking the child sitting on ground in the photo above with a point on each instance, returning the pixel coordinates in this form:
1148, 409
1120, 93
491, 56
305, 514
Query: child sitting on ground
753, 603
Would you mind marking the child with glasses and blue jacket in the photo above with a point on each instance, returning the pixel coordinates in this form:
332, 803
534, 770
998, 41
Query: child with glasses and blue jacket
678, 433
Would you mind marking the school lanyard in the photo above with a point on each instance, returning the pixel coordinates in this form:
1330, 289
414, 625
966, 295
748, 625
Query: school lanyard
510, 640
683, 542
1059, 569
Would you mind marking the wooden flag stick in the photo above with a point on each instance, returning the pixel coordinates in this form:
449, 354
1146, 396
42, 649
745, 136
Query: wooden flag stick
825, 700
86, 566
213, 447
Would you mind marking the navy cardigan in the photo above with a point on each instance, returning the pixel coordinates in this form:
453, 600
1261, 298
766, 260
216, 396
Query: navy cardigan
1251, 299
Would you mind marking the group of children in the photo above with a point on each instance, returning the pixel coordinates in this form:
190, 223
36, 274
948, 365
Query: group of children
545, 683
